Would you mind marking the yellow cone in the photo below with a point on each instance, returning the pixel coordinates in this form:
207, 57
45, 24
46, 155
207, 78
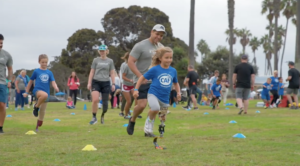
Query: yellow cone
30, 132
89, 148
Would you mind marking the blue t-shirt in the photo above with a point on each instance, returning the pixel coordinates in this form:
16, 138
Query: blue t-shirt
281, 89
42, 78
266, 89
162, 80
216, 89
275, 83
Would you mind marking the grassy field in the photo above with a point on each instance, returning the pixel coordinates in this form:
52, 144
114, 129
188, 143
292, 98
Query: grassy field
191, 138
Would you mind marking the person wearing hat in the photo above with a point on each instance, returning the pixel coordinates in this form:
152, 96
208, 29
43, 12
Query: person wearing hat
243, 81
6, 61
99, 81
293, 87
139, 61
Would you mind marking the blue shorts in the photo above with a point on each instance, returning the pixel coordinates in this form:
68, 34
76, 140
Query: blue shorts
36, 90
265, 97
3, 93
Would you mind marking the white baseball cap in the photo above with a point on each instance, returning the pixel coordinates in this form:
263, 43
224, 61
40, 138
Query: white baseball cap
159, 28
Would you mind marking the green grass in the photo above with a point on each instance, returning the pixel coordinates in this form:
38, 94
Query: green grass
191, 138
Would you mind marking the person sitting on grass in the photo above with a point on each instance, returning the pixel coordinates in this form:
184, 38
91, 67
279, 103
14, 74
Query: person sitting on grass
216, 93
265, 96
70, 103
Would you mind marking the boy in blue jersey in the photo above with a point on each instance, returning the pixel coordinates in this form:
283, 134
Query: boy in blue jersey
163, 76
216, 93
43, 77
265, 95
280, 91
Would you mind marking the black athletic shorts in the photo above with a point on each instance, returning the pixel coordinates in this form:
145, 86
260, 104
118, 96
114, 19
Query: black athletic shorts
193, 90
101, 86
143, 91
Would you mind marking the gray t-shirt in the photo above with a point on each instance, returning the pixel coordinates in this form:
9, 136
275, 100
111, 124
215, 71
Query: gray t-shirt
21, 84
121, 71
5, 61
143, 52
102, 68
129, 75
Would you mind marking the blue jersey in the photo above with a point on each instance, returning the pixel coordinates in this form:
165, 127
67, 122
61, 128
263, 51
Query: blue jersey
266, 89
216, 89
42, 78
275, 83
281, 89
162, 80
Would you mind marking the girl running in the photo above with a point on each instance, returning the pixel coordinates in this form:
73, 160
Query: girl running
163, 76
127, 87
43, 77
102, 67
73, 84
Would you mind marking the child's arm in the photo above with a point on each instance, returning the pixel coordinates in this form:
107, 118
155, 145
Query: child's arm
54, 85
177, 88
91, 75
27, 88
125, 78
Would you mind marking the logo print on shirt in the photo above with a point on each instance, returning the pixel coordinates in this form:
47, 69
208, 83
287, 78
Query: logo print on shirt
165, 79
218, 88
44, 78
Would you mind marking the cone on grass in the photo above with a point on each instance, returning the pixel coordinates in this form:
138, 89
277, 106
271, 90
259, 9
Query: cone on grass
239, 135
30, 132
84, 107
89, 148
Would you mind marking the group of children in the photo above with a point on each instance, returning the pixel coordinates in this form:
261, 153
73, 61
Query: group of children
265, 93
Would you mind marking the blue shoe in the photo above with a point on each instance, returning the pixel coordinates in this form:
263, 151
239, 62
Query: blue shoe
22, 108
16, 109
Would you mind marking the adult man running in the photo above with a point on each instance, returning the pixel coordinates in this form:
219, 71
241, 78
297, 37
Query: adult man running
6, 61
139, 62
243, 80
191, 81
293, 87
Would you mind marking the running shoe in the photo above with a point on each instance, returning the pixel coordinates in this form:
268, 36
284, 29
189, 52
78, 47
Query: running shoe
1, 131
127, 117
93, 121
185, 107
241, 110
139, 116
130, 127
121, 114
102, 119
149, 135
35, 111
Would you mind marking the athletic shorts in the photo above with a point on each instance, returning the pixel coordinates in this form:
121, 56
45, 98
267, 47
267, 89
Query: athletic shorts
101, 86
265, 96
290, 91
193, 90
126, 88
155, 104
143, 91
242, 93
34, 91
3, 93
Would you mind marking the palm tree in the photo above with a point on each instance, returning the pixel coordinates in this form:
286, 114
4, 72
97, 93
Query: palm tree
203, 48
244, 34
297, 56
277, 7
254, 43
267, 6
268, 51
288, 12
192, 34
230, 5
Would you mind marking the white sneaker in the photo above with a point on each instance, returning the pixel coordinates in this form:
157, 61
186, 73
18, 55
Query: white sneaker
270, 106
99, 105
148, 128
274, 105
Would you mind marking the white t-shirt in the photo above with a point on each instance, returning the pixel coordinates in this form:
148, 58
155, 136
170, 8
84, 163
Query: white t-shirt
121, 71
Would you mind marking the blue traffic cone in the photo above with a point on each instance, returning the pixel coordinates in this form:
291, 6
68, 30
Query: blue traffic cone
84, 107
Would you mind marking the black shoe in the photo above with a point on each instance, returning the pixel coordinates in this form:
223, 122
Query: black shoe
241, 110
121, 114
129, 113
214, 107
196, 108
185, 107
149, 135
102, 119
35, 111
140, 117
130, 127
1, 131
296, 107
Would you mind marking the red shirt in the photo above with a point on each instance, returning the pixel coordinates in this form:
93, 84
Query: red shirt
72, 84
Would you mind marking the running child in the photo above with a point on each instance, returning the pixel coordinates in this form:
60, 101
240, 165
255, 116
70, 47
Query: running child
265, 93
70, 103
216, 92
43, 77
163, 76
99, 82
280, 91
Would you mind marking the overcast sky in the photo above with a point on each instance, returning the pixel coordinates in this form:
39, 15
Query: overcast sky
33, 27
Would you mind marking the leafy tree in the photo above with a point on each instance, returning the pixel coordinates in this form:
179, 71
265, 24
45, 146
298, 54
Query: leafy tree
254, 44
203, 48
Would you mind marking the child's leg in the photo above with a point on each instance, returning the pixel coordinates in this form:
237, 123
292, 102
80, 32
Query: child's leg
41, 115
41, 98
155, 107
